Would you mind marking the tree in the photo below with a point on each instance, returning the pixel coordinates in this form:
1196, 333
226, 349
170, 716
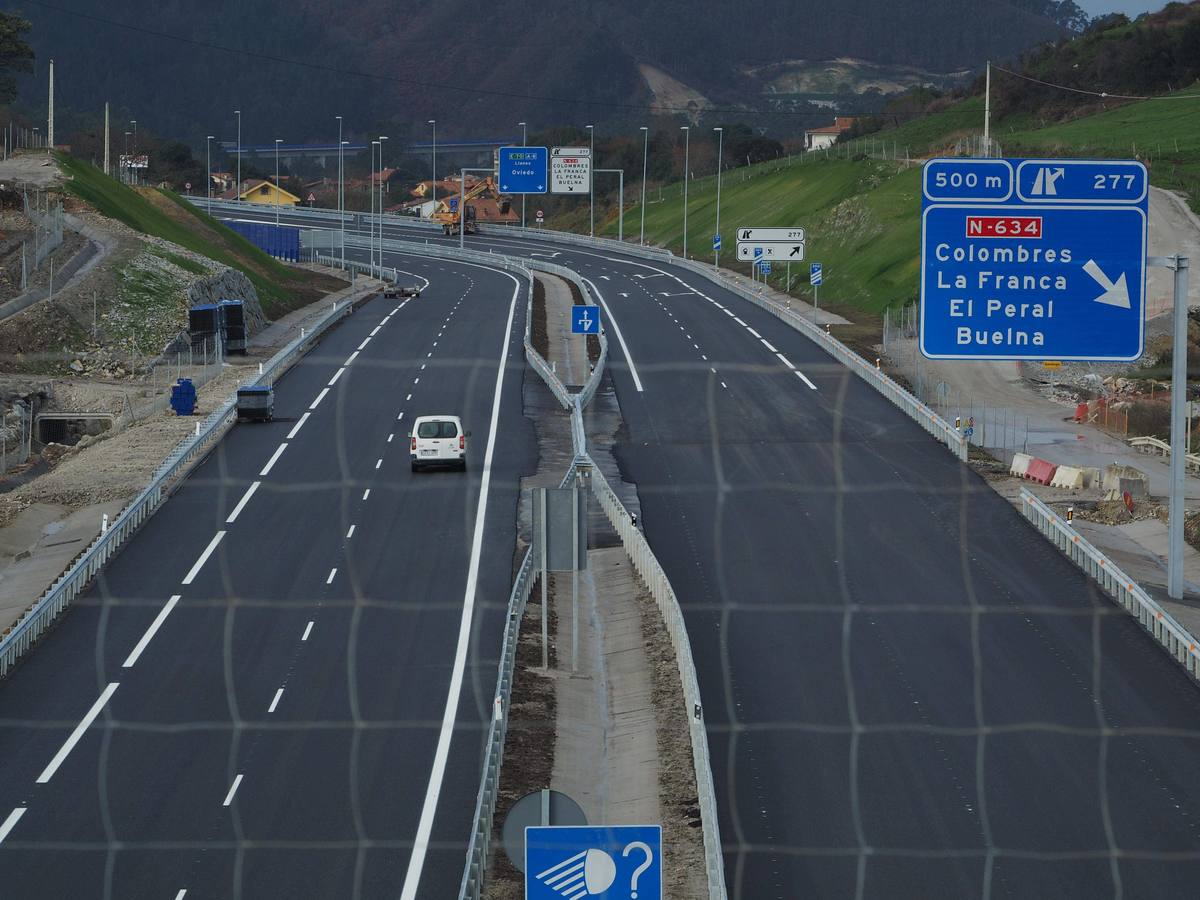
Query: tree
15, 54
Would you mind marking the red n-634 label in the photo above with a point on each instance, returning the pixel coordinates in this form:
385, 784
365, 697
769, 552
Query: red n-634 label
1004, 226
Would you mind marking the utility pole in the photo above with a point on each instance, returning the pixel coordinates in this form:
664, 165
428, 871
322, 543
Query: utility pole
687, 144
238, 113
433, 122
208, 162
591, 181
107, 166
987, 112
645, 156
50, 122
720, 147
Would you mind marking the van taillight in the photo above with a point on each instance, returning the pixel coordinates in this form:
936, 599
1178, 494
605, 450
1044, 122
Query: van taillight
462, 442
414, 443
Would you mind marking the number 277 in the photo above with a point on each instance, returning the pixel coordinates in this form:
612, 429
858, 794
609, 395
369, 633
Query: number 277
1113, 182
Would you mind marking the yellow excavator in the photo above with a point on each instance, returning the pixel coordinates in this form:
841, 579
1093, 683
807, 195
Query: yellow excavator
451, 219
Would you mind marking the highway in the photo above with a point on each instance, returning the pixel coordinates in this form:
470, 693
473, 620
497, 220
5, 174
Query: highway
281, 686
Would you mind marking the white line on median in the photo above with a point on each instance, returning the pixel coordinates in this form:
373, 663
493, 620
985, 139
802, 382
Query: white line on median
150, 632
296, 428
274, 459
336, 376
307, 631
320, 397
11, 822
71, 741
232, 790
275, 702
195, 570
241, 504
637, 382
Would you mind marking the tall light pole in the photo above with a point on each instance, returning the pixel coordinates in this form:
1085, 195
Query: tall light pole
720, 146
238, 192
645, 156
277, 188
591, 180
133, 122
382, 138
687, 138
341, 211
342, 187
208, 155
523, 142
433, 122
371, 188
128, 167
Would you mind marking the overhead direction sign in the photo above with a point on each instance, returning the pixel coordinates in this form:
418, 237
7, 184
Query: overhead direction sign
570, 170
784, 244
523, 170
1033, 259
585, 320
618, 862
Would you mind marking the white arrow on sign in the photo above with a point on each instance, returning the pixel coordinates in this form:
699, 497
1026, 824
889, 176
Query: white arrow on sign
1114, 294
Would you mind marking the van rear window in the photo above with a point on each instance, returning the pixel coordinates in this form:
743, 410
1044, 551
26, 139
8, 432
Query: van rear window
437, 430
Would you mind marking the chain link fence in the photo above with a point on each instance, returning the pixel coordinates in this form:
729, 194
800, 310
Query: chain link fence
47, 221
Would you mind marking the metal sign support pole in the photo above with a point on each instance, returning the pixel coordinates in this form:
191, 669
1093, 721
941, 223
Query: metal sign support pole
575, 576
545, 611
1178, 411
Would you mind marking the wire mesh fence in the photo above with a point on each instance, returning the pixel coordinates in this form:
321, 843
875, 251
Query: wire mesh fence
47, 220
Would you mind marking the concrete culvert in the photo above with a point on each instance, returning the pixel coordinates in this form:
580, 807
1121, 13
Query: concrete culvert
70, 428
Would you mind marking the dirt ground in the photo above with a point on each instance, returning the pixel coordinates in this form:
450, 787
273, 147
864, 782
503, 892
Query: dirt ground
30, 167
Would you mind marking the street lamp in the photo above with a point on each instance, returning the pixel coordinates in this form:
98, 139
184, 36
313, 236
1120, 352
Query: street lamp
720, 146
340, 199
278, 141
208, 155
371, 189
382, 138
591, 181
128, 167
687, 137
433, 122
645, 155
238, 113
523, 142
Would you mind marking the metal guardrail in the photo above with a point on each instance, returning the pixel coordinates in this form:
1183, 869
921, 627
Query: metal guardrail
46, 610
1152, 444
1175, 639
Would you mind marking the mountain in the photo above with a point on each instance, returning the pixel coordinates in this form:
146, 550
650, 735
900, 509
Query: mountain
479, 67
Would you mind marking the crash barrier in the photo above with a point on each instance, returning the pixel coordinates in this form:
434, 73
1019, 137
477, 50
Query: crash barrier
43, 613
1172, 636
1120, 480
640, 555
1041, 470
1020, 464
1068, 477
1191, 461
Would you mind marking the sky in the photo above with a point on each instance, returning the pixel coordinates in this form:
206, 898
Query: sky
1129, 7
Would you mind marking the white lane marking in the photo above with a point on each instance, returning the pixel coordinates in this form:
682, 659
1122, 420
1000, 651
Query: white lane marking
195, 570
416, 860
376, 331
423, 366
275, 702
703, 357
233, 789
399, 417
724, 385
783, 359
241, 504
150, 632
434, 344
606, 278
73, 739
417, 380
320, 397
430, 353
307, 631
696, 346
296, 428
182, 893
729, 313
755, 333
717, 305
714, 371
11, 822
637, 382
767, 344
409, 397
390, 436
379, 462
366, 493
350, 533
337, 375
274, 459
804, 378
362, 346
740, 322
332, 574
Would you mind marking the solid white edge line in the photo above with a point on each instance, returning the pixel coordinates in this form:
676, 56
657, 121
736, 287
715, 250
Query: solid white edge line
274, 458
320, 397
195, 570
336, 376
804, 378
416, 860
11, 822
73, 739
275, 702
296, 428
307, 631
233, 789
150, 632
637, 382
241, 504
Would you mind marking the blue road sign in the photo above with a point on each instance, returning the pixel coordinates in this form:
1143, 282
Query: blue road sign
618, 863
585, 320
523, 170
1033, 259
764, 266
758, 252
454, 204
716, 242
816, 274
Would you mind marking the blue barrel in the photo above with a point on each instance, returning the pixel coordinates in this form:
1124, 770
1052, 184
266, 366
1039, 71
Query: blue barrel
183, 397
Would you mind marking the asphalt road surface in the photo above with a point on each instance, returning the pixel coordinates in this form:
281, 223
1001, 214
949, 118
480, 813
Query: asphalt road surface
281, 686
908, 692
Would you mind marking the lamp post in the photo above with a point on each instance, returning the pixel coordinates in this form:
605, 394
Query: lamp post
645, 156
341, 211
277, 189
133, 122
523, 142
208, 155
433, 122
382, 138
128, 167
591, 181
687, 138
371, 190
342, 187
720, 146
238, 113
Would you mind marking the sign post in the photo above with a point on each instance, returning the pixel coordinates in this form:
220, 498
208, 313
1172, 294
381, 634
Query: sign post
816, 275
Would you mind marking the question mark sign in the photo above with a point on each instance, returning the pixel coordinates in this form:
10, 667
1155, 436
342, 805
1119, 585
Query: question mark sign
637, 873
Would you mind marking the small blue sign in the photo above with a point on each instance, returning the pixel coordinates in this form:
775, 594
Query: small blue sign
758, 252
816, 274
585, 320
454, 204
523, 170
1033, 259
764, 266
616, 863
716, 242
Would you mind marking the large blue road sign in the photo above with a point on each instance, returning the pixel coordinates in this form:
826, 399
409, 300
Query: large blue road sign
585, 320
523, 170
617, 863
1033, 259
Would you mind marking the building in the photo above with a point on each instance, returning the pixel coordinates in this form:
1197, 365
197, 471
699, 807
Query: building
265, 192
823, 138
222, 182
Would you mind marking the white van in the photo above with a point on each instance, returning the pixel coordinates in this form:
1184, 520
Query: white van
438, 441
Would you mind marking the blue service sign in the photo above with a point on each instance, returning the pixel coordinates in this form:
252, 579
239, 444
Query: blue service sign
764, 266
815, 274
585, 320
454, 204
716, 242
616, 863
1033, 259
523, 170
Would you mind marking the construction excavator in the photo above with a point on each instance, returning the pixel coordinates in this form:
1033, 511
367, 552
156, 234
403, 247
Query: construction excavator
451, 219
